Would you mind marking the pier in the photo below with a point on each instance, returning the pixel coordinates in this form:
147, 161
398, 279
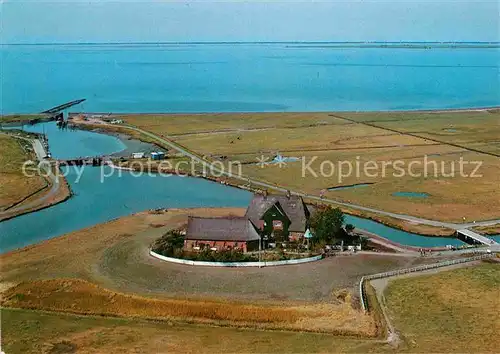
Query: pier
64, 106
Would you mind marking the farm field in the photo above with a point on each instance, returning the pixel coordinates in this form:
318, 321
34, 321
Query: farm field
433, 143
451, 311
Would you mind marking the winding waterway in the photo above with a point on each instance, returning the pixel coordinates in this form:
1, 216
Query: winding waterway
98, 199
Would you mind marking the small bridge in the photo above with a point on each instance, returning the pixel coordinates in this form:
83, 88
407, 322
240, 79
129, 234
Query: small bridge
93, 161
472, 237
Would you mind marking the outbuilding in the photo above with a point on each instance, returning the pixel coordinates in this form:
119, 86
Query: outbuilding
220, 234
138, 155
157, 155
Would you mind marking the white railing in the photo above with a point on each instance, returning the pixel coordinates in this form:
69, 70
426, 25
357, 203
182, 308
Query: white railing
421, 268
235, 264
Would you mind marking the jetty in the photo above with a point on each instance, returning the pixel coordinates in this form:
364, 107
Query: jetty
64, 106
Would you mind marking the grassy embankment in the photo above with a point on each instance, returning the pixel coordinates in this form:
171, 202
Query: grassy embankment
22, 118
34, 332
452, 311
81, 297
16, 187
21, 194
489, 230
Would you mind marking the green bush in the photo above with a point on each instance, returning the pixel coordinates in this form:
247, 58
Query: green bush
169, 244
207, 255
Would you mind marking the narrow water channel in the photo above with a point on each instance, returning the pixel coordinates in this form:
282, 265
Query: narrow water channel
98, 200
68, 143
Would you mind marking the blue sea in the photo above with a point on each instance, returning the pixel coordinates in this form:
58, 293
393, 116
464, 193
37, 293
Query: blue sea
246, 77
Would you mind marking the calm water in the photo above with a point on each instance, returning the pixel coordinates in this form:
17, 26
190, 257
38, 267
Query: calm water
246, 77
67, 144
410, 194
495, 237
401, 237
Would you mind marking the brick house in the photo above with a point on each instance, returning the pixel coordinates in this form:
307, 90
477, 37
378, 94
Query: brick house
286, 214
221, 233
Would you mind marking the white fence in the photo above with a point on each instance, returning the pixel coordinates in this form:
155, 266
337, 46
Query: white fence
235, 264
421, 268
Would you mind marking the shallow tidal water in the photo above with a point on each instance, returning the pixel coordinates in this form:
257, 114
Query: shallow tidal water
246, 77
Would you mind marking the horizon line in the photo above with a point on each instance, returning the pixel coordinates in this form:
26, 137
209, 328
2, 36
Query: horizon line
255, 42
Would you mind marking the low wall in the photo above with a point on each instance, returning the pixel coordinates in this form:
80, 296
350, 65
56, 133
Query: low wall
235, 264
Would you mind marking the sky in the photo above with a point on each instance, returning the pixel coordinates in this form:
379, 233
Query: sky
39, 21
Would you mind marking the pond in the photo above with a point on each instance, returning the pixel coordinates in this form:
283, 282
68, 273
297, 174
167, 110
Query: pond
410, 194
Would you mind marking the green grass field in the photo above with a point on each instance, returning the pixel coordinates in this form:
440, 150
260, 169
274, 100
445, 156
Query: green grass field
16, 186
452, 311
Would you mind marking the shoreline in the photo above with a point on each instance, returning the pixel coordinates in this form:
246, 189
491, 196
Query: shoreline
417, 110
115, 114
56, 190
67, 193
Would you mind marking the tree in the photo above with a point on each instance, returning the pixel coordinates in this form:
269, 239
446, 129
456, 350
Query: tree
327, 224
349, 228
168, 244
